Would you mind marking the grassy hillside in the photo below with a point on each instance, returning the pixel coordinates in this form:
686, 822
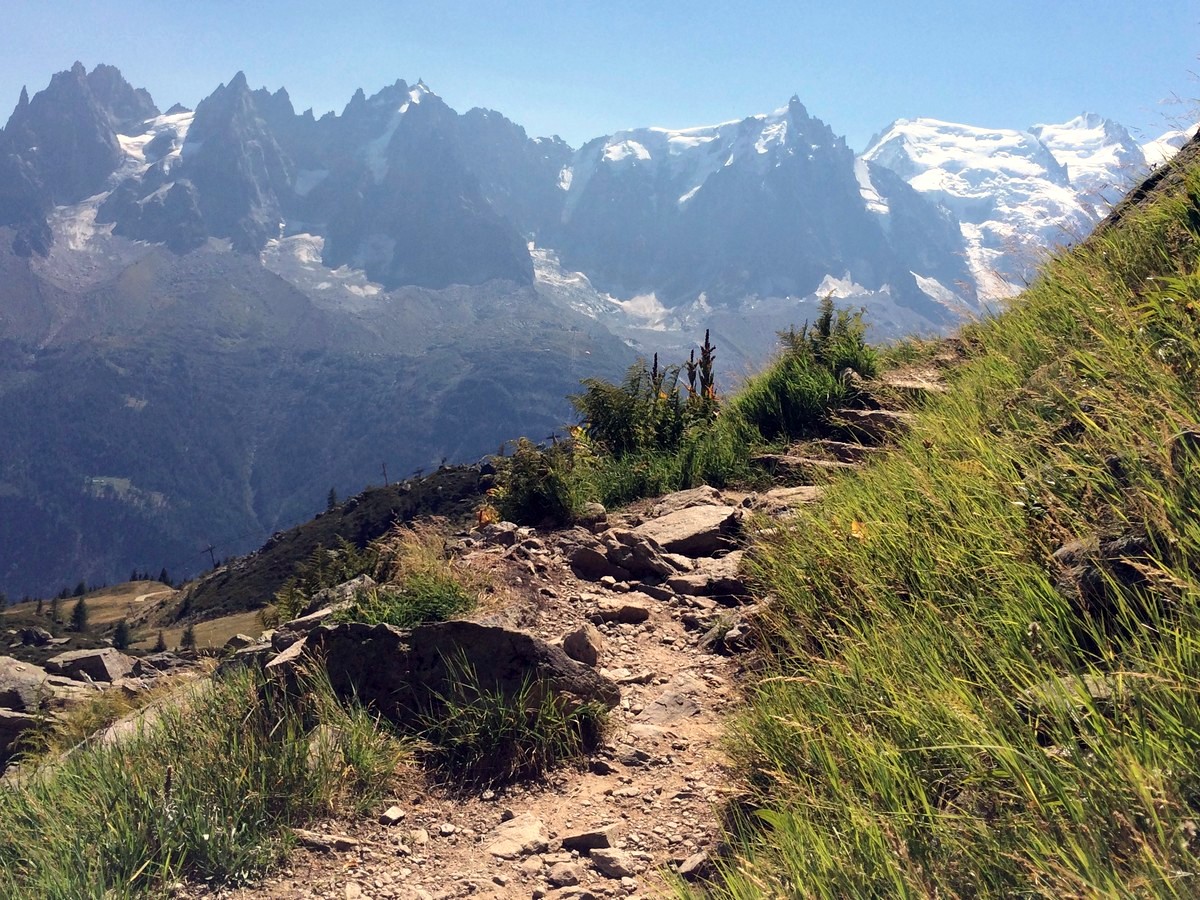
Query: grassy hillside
983, 676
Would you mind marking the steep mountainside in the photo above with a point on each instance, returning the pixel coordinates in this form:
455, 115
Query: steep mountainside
206, 313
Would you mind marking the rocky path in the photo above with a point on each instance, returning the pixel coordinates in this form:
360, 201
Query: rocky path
654, 600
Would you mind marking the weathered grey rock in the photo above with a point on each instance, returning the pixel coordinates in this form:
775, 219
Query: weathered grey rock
290, 632
845, 452
696, 866
585, 644
255, 656
612, 863
590, 562
621, 610
563, 874
158, 663
670, 706
591, 839
393, 815
695, 531
316, 840
637, 554
521, 835
35, 637
23, 686
705, 495
341, 593
713, 578
405, 672
106, 664
782, 500
503, 534
238, 641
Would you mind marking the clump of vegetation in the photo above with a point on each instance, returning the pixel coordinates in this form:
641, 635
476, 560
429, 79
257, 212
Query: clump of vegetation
665, 428
421, 582
206, 791
478, 734
325, 568
946, 709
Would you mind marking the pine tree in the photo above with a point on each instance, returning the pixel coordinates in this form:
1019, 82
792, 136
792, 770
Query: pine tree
331, 501
188, 639
41, 606
56, 609
164, 577
160, 645
122, 635
79, 615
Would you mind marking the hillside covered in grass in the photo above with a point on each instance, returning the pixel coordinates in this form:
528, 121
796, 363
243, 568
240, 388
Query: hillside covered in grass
984, 666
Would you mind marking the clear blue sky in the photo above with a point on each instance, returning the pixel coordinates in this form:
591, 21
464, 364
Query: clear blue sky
580, 69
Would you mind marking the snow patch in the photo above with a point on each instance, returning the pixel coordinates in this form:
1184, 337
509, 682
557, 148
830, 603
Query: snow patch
866, 189
625, 150
564, 178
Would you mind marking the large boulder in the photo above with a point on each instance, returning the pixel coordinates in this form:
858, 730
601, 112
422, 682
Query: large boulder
12, 726
694, 531
638, 554
402, 673
105, 664
22, 685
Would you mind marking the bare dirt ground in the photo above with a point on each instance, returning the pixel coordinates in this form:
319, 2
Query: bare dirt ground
661, 777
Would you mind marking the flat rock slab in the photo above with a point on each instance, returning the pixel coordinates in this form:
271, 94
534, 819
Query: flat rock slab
621, 610
591, 839
105, 664
705, 495
713, 578
695, 531
521, 835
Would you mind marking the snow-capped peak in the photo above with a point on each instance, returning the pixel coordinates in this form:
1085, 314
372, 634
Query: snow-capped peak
1101, 157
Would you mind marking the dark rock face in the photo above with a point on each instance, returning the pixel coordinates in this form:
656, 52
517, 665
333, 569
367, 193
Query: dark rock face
66, 134
128, 107
409, 211
237, 168
402, 673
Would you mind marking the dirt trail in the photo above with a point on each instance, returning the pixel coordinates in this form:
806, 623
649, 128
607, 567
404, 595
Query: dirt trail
662, 780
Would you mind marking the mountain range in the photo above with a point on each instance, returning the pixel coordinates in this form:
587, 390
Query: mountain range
209, 317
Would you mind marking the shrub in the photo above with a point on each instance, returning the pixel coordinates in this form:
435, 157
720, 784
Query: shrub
535, 484
423, 584
480, 735
324, 568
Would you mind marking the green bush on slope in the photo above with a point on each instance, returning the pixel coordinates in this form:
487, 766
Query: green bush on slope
654, 433
943, 715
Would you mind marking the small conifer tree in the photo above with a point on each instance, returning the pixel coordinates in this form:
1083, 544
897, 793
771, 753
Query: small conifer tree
79, 615
187, 640
160, 645
122, 635
331, 501
56, 609
41, 606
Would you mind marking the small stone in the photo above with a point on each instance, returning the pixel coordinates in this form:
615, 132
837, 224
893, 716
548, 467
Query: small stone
419, 837
353, 891
694, 866
591, 839
563, 874
393, 815
612, 863
585, 644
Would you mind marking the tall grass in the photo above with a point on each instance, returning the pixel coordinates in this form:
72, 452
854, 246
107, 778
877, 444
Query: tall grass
900, 741
205, 791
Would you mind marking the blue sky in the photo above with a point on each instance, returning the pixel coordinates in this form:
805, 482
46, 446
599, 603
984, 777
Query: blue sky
582, 69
